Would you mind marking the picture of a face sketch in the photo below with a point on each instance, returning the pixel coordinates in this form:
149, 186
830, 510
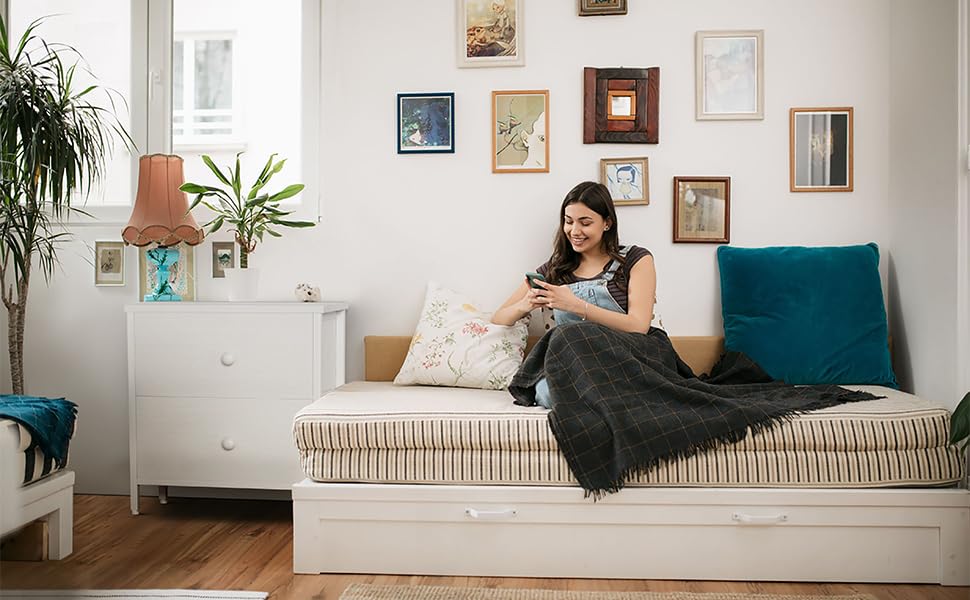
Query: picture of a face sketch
627, 179
520, 121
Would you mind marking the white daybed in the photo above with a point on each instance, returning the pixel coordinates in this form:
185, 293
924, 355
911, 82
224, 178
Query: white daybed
383, 500
48, 495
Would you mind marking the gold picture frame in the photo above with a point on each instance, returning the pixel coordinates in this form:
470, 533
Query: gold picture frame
627, 179
820, 150
702, 210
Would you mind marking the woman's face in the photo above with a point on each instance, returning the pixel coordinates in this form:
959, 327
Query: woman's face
583, 226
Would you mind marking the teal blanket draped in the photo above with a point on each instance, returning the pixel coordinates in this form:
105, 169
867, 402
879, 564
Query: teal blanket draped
50, 422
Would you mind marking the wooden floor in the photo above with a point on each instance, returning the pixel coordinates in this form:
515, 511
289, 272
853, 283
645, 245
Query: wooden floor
246, 545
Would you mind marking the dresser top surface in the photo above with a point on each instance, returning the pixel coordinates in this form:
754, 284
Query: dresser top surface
243, 307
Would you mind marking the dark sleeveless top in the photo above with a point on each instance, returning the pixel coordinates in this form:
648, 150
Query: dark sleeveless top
618, 285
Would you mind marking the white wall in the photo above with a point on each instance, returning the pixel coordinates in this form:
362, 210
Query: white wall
393, 222
924, 170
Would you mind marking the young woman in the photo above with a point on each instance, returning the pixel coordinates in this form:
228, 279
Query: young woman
589, 276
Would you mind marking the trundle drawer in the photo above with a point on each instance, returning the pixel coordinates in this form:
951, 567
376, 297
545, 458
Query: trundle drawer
639, 533
217, 442
224, 355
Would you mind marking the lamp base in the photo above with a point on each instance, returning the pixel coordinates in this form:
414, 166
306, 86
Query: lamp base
163, 258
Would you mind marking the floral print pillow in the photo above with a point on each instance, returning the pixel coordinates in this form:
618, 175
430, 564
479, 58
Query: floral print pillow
456, 345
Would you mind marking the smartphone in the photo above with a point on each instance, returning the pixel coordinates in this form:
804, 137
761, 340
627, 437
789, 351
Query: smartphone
533, 277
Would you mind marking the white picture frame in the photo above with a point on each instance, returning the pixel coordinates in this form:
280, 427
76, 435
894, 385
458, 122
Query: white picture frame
109, 263
729, 73
490, 33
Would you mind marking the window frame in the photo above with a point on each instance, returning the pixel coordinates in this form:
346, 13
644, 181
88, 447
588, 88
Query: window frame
152, 35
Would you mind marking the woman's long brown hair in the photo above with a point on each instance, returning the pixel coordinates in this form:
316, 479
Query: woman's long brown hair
564, 259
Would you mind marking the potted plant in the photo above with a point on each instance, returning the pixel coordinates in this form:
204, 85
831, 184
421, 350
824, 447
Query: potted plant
249, 216
53, 144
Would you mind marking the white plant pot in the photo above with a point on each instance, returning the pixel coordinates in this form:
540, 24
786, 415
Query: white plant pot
243, 284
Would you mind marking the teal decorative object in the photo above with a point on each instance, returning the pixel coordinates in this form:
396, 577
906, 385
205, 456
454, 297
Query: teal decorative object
807, 315
163, 259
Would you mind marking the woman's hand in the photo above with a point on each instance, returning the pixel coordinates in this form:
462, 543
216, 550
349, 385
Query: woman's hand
522, 302
559, 297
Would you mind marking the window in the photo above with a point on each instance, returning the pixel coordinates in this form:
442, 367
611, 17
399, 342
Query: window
204, 107
107, 55
196, 77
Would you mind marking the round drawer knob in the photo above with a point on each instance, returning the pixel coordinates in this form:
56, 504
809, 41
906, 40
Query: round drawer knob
228, 444
227, 359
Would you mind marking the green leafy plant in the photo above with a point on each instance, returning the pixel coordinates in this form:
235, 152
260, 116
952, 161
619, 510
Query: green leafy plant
53, 144
960, 424
249, 216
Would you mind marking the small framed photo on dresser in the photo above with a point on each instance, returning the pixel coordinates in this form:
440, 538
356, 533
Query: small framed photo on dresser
223, 257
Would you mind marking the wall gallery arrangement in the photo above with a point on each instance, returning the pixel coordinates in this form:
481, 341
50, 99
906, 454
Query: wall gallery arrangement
622, 105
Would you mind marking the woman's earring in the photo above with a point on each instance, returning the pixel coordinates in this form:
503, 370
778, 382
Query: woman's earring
607, 228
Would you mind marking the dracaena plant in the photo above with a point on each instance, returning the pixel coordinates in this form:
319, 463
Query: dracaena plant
248, 215
55, 138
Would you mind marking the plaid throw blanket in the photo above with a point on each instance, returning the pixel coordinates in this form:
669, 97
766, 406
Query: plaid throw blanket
625, 402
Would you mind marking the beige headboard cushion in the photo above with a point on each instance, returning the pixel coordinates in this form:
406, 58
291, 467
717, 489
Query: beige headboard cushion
384, 355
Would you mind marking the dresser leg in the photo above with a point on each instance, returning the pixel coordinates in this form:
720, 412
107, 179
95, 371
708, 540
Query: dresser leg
134, 499
163, 494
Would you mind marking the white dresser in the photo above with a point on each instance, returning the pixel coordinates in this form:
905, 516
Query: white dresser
213, 387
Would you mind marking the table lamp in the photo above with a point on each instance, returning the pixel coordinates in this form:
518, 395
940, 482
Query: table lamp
161, 216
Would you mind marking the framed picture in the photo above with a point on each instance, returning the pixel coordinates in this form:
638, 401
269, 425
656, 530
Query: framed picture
621, 105
520, 131
491, 33
820, 149
592, 8
223, 257
181, 275
729, 68
109, 263
426, 123
628, 179
702, 209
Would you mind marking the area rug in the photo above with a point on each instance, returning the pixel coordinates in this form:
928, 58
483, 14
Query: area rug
133, 594
366, 591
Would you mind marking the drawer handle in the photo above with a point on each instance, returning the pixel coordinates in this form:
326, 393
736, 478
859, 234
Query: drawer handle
491, 515
744, 519
228, 444
227, 359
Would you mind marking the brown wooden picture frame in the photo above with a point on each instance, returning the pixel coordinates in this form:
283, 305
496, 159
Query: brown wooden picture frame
702, 218
820, 150
642, 85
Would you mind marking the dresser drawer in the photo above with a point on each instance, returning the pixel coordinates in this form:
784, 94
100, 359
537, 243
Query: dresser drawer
217, 443
224, 355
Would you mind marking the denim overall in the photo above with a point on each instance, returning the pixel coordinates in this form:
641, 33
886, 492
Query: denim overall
593, 291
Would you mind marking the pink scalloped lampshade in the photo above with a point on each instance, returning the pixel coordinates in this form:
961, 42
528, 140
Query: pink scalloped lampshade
161, 212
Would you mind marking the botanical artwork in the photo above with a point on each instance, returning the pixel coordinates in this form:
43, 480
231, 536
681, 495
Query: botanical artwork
729, 75
702, 209
181, 275
821, 151
627, 179
109, 263
223, 257
520, 121
490, 33
425, 123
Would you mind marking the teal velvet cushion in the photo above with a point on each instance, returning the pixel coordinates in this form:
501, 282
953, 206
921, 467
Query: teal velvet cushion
807, 315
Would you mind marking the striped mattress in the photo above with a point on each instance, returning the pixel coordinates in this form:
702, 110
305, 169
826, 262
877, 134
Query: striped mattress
30, 463
377, 432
